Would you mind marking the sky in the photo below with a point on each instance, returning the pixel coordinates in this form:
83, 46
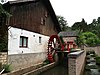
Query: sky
74, 10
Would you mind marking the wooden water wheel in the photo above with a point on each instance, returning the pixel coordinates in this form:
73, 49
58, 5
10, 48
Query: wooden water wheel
54, 45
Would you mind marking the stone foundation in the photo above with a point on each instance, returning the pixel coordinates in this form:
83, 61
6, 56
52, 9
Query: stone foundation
3, 57
20, 61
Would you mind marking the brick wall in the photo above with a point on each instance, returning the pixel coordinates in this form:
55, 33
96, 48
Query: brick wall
3, 57
76, 62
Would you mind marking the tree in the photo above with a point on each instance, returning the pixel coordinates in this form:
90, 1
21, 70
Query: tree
63, 23
76, 26
81, 26
3, 29
89, 38
98, 20
97, 28
94, 27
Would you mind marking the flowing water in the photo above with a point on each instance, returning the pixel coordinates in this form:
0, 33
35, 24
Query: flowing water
62, 69
58, 70
93, 70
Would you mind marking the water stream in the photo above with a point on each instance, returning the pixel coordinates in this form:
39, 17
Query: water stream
92, 65
58, 70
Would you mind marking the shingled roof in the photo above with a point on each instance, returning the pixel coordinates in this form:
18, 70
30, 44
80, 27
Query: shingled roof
69, 33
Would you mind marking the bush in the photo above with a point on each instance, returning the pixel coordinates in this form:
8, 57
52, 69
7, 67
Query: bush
98, 60
7, 68
46, 62
99, 69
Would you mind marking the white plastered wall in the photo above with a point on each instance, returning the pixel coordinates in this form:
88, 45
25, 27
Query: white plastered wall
33, 42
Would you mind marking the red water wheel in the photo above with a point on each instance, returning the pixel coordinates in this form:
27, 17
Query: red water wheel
54, 44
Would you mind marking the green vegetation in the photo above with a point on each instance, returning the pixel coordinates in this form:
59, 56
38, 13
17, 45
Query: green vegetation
63, 23
88, 38
99, 69
80, 26
93, 27
98, 60
46, 62
89, 33
3, 29
7, 68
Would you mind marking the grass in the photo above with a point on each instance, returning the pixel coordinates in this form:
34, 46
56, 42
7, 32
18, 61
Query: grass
7, 68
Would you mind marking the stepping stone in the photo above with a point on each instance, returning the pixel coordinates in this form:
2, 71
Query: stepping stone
92, 66
92, 60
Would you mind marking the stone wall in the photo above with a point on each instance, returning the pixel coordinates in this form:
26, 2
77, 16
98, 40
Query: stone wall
20, 61
96, 49
76, 63
3, 57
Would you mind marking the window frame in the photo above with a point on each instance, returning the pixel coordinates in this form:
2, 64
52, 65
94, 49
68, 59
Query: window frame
22, 43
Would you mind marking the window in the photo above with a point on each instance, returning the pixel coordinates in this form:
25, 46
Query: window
39, 39
43, 21
23, 41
